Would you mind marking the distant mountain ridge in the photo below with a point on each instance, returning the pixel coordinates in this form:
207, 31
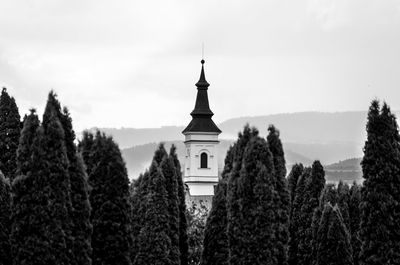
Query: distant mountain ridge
328, 137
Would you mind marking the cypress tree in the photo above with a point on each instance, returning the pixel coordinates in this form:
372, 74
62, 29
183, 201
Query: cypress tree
24, 151
328, 195
343, 191
333, 240
292, 179
295, 220
216, 250
10, 128
23, 207
183, 237
85, 147
171, 181
80, 214
236, 249
354, 214
138, 203
154, 242
109, 198
54, 166
380, 203
251, 202
5, 224
310, 201
283, 199
38, 236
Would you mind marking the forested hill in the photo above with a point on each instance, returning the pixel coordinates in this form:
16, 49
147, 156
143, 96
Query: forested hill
302, 127
138, 158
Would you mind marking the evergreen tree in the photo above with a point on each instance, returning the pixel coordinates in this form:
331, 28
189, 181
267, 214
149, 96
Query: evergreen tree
10, 128
25, 241
81, 226
38, 236
154, 242
183, 237
54, 166
85, 148
138, 193
328, 195
333, 240
312, 193
283, 199
343, 191
354, 215
380, 203
251, 202
236, 249
171, 180
5, 224
24, 151
109, 198
295, 220
216, 250
293, 178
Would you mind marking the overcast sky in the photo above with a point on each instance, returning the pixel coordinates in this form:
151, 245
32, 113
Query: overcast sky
135, 63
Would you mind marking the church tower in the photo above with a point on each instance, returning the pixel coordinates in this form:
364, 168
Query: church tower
201, 143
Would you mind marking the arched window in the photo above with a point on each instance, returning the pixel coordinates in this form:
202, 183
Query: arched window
203, 160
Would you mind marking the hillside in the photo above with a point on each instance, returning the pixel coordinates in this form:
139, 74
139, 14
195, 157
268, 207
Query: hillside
138, 158
348, 170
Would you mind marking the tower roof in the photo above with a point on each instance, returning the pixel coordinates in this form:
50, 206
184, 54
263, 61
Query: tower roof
201, 114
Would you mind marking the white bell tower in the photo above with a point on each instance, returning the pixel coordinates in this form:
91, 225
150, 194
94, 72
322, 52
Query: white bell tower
201, 143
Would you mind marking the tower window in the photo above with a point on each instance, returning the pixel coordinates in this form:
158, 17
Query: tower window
203, 160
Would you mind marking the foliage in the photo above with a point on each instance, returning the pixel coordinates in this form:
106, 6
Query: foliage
333, 240
283, 200
10, 128
196, 216
380, 196
183, 223
5, 222
109, 198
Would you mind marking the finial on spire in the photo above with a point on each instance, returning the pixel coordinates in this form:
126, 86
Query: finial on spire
202, 61
202, 51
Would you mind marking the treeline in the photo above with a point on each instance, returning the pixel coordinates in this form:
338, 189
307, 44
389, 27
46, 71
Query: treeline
68, 202
260, 217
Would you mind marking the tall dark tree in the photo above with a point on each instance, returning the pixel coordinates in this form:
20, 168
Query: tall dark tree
333, 240
24, 151
380, 204
343, 191
138, 203
10, 129
354, 215
54, 166
216, 250
38, 235
293, 178
5, 221
312, 192
109, 198
328, 195
236, 250
283, 199
252, 194
154, 242
183, 237
296, 216
24, 239
80, 214
171, 183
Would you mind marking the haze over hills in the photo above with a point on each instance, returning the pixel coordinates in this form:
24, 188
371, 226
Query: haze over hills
306, 136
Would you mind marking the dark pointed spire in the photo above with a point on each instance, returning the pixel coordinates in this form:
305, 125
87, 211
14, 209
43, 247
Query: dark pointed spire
202, 113
202, 83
